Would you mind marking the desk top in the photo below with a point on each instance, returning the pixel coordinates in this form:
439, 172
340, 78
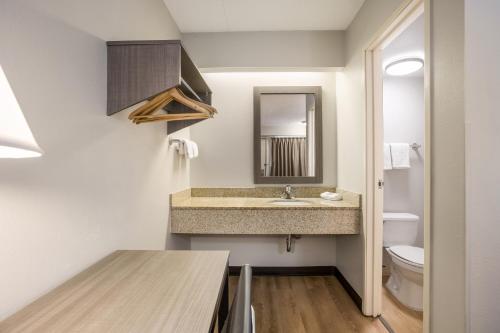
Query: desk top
132, 291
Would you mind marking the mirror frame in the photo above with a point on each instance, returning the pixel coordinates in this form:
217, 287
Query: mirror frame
318, 172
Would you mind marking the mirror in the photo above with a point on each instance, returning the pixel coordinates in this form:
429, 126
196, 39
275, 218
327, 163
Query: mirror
287, 135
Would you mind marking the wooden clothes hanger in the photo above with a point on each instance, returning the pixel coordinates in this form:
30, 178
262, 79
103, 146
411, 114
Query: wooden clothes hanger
146, 112
169, 117
210, 108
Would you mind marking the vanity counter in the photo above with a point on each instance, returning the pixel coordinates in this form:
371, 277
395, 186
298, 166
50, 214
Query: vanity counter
258, 203
242, 214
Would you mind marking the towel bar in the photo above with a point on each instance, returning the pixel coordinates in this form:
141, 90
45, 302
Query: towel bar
415, 146
176, 142
172, 141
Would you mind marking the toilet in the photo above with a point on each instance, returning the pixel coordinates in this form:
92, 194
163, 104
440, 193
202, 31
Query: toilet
407, 261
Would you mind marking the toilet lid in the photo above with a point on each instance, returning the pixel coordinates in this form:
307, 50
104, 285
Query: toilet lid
409, 253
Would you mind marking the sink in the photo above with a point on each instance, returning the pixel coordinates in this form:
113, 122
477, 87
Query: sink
290, 202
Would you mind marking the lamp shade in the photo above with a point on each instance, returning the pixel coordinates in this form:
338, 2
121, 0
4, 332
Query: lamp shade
16, 139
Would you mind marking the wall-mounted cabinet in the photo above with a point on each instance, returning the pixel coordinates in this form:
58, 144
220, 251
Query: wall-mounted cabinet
140, 70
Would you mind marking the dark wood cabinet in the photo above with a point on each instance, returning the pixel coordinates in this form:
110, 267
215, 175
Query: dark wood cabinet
140, 70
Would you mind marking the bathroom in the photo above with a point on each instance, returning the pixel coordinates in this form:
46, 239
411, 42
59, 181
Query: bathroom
403, 197
236, 167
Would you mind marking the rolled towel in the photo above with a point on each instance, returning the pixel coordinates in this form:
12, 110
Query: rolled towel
331, 196
188, 148
195, 149
387, 157
400, 154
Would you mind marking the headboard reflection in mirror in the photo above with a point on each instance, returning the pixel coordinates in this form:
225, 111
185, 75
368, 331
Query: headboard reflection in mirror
287, 135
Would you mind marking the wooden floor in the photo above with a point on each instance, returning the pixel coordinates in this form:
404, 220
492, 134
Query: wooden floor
400, 318
286, 304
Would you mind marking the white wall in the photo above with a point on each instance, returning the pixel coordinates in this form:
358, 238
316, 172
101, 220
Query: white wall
404, 122
271, 250
103, 183
351, 129
226, 142
482, 84
226, 160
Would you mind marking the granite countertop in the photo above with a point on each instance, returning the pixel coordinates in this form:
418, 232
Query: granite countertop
258, 203
242, 211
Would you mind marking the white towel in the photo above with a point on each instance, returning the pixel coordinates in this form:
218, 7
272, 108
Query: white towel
331, 196
188, 148
400, 154
387, 157
195, 149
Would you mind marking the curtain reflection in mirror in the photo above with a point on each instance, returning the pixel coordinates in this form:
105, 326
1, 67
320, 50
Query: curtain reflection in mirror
288, 157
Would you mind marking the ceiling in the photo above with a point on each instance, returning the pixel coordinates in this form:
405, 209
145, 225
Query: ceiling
410, 43
262, 15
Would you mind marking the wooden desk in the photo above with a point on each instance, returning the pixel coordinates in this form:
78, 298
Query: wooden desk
135, 291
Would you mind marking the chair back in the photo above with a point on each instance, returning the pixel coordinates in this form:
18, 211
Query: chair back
239, 319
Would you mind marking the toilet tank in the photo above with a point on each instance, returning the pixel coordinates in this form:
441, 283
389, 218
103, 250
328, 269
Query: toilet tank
400, 229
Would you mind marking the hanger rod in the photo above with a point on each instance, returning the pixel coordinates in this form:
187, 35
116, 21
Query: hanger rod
184, 84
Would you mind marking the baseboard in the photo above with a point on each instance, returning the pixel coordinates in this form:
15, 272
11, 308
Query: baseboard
349, 289
386, 324
304, 271
287, 271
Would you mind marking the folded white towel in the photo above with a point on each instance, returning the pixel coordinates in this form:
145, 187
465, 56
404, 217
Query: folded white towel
331, 196
400, 154
195, 149
387, 157
188, 148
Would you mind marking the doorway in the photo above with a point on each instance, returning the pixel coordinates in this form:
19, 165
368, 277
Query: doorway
376, 63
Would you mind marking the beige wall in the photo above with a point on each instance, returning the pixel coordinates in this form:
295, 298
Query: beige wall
226, 142
482, 83
351, 129
447, 167
269, 49
103, 183
112, 19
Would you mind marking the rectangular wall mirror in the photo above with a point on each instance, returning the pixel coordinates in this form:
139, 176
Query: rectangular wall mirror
287, 135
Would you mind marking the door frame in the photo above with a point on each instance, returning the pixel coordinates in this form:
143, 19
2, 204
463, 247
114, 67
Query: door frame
405, 15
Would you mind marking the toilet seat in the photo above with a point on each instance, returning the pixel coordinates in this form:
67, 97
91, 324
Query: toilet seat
403, 217
410, 257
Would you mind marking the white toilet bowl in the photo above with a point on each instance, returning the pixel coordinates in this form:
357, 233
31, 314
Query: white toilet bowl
406, 280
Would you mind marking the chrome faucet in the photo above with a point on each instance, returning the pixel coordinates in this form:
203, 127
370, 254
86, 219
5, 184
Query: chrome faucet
287, 193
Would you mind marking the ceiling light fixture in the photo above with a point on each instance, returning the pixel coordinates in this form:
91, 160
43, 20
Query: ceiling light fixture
404, 66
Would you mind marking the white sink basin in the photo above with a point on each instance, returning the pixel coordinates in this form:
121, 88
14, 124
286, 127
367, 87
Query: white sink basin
290, 202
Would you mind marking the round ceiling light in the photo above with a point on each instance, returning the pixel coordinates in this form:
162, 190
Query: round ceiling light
404, 66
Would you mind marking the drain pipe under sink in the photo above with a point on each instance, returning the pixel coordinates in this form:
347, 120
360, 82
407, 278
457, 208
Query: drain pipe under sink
289, 241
